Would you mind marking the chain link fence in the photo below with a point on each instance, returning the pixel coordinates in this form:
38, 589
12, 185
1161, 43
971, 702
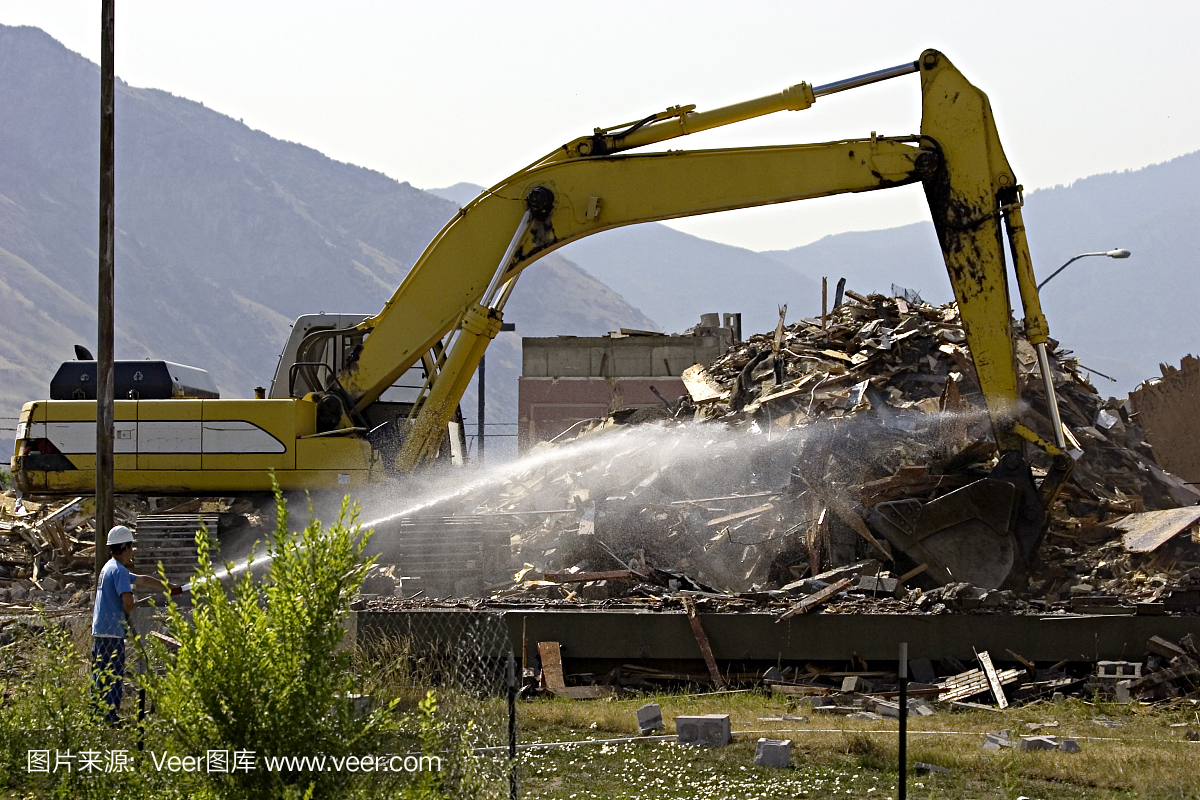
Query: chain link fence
466, 660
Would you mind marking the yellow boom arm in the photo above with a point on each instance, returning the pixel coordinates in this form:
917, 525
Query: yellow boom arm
573, 192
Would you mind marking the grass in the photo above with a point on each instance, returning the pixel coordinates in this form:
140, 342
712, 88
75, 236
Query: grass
1137, 754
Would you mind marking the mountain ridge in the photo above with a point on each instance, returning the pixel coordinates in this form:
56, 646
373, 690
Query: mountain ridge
224, 235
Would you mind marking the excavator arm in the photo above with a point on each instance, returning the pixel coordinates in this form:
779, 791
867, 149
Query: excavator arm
456, 291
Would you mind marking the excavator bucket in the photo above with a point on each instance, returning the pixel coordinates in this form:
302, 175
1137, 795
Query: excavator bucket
985, 533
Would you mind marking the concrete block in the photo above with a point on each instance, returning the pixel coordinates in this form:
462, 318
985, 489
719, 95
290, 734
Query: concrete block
994, 741
921, 708
1121, 691
863, 715
773, 753
379, 584
1068, 746
649, 718
708, 730
886, 709
360, 704
921, 670
854, 683
1037, 743
875, 584
1118, 670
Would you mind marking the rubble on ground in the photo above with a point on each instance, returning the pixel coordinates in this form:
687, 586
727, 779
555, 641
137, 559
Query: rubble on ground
48, 550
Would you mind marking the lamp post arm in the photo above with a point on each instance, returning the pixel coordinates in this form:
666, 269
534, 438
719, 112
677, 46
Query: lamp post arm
1064, 266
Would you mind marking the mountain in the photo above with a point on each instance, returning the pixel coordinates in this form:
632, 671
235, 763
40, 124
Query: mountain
1122, 317
460, 193
224, 235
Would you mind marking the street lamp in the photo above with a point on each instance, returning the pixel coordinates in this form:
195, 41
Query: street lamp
1109, 253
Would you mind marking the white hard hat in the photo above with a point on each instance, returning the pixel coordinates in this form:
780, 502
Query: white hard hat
119, 535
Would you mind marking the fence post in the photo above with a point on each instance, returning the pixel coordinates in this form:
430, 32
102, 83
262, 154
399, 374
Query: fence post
902, 790
512, 725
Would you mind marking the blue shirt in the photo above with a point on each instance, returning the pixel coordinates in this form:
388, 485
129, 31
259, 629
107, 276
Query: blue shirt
108, 615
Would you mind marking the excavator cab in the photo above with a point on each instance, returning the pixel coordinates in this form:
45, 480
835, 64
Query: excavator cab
319, 348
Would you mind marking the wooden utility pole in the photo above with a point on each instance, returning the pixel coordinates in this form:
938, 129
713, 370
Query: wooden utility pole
104, 301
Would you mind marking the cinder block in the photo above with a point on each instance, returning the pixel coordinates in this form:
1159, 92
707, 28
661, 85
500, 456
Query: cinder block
649, 718
773, 753
709, 730
1118, 670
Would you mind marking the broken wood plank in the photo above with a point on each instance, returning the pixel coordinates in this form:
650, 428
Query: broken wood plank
556, 683
973, 682
800, 690
788, 391
1030, 667
167, 640
1146, 532
985, 659
1162, 647
702, 641
854, 521
750, 512
815, 599
585, 577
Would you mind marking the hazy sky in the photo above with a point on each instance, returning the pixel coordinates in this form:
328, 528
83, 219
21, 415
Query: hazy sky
435, 92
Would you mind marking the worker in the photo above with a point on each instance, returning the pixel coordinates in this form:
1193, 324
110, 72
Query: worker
110, 618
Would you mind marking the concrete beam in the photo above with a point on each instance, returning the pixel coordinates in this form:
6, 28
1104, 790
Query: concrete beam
640, 636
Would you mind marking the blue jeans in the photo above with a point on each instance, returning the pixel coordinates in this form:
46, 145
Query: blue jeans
108, 671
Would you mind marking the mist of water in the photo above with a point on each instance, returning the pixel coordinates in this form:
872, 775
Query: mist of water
658, 461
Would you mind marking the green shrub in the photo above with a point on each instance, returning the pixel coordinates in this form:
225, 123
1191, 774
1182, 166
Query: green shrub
260, 669
45, 683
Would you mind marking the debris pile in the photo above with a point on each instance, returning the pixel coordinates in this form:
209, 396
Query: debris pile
1171, 670
760, 484
48, 550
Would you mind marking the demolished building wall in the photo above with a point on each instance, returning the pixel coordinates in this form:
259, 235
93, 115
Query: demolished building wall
1167, 408
569, 380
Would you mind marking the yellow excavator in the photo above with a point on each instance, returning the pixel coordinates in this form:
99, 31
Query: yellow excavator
333, 419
